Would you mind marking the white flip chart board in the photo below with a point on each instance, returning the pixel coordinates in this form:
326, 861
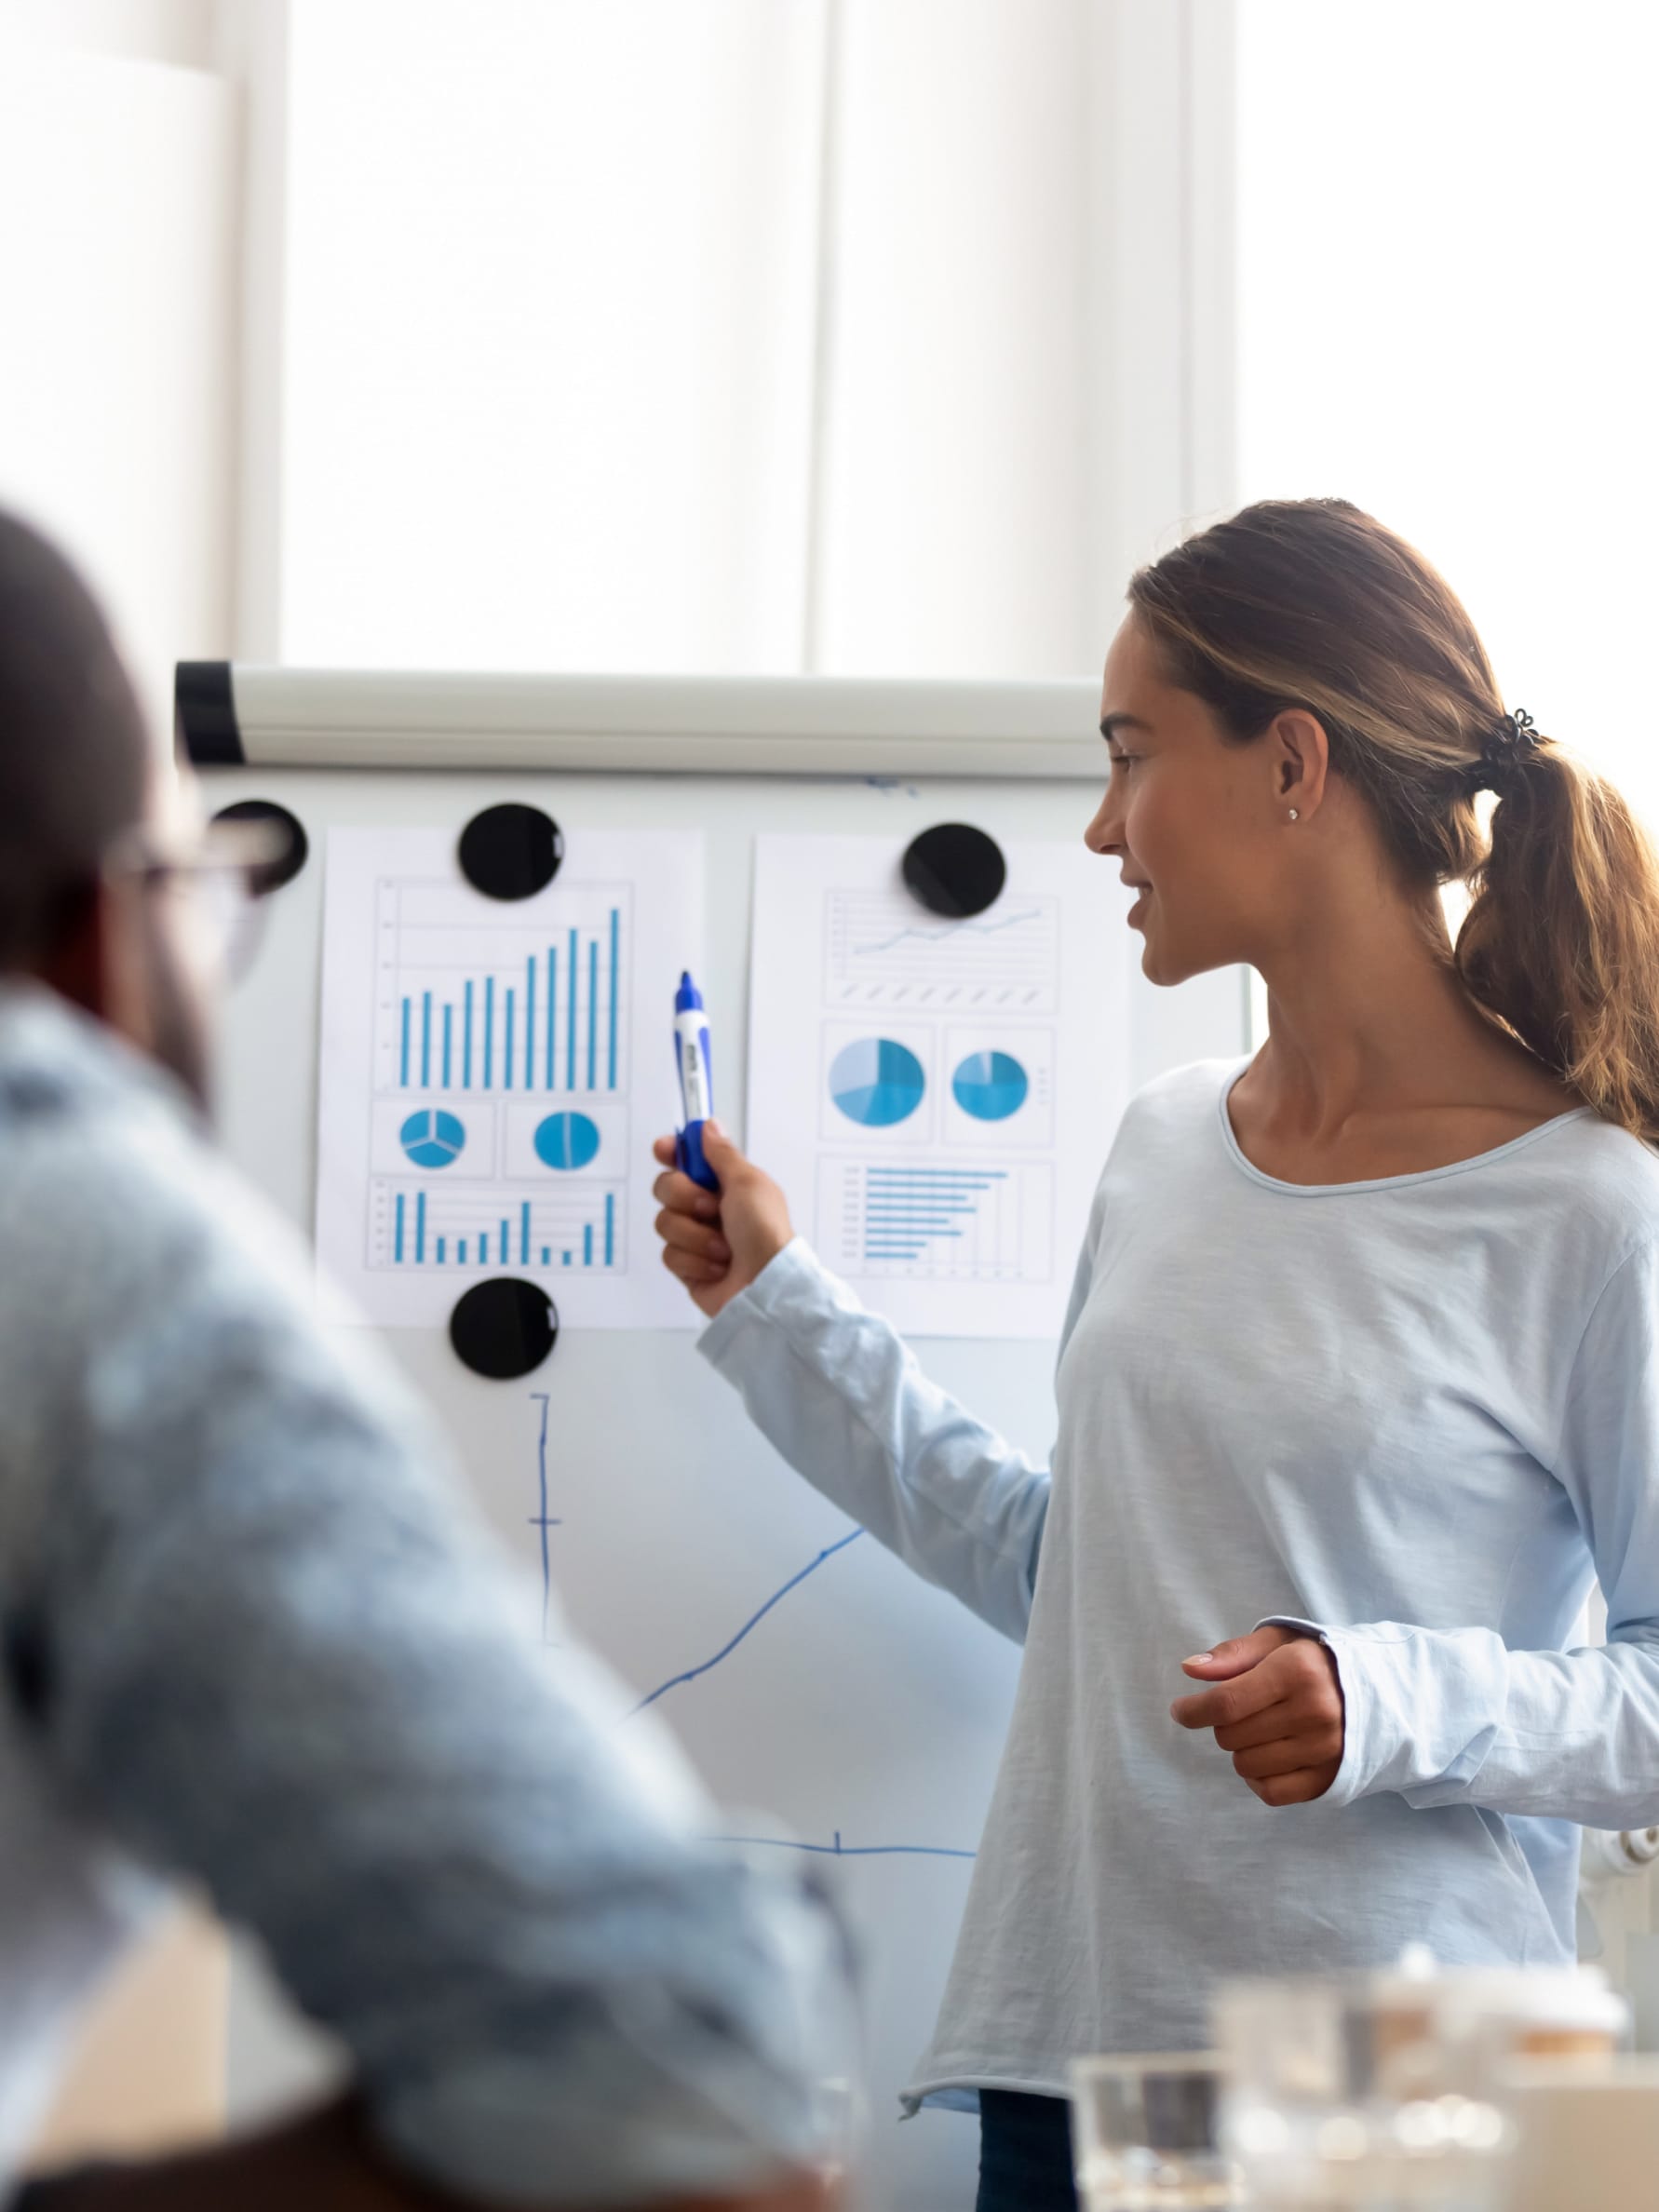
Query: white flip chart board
828, 1697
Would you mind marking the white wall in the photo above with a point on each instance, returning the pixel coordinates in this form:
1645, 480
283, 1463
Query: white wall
1448, 290
116, 281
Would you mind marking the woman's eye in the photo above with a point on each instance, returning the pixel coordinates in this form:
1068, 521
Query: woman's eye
1124, 760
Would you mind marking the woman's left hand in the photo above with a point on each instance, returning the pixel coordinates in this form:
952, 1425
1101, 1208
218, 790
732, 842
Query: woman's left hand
1277, 1705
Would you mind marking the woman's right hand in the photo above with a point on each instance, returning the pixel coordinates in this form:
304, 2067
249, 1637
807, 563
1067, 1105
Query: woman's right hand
717, 1246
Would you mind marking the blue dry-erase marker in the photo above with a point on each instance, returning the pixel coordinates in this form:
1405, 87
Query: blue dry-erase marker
696, 1083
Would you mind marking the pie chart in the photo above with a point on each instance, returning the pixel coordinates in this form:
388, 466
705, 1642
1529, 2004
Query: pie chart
876, 1082
433, 1139
566, 1140
989, 1085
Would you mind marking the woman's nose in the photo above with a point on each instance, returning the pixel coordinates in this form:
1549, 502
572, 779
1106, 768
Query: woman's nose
1104, 833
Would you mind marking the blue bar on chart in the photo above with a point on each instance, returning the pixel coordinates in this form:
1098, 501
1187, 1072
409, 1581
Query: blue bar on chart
420, 1227
586, 1244
908, 1209
567, 1044
524, 1234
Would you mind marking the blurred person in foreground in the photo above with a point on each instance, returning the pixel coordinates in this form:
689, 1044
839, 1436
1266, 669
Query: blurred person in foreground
253, 1643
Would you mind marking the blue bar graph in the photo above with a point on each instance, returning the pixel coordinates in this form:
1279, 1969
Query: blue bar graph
437, 1224
908, 1209
573, 1042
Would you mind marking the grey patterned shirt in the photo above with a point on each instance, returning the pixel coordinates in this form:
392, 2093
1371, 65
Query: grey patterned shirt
254, 1642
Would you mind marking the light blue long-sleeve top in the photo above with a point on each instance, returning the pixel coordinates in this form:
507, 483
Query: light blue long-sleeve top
252, 1638
1416, 1416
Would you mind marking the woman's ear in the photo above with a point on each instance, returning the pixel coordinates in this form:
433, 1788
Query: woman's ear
1299, 753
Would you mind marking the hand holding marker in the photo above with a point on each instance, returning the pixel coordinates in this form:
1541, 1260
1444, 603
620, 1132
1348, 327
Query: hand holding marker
696, 1083
722, 1220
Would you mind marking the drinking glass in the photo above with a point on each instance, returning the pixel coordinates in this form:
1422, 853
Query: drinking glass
1145, 2134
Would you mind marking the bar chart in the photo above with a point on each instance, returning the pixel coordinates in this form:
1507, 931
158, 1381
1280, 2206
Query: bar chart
412, 1225
972, 1223
467, 1000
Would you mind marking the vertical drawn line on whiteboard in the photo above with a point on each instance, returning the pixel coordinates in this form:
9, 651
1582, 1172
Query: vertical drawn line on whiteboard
530, 1023
507, 1051
403, 1076
489, 1026
753, 1622
539, 1520
570, 1056
466, 1041
839, 1850
448, 1031
425, 1040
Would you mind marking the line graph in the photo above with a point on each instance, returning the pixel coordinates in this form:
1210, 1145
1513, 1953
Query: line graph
877, 953
839, 1850
692, 1673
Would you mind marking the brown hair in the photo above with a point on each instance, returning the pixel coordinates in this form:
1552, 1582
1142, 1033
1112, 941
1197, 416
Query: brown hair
1311, 603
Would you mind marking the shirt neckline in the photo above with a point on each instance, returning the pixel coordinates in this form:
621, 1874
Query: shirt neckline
1380, 1182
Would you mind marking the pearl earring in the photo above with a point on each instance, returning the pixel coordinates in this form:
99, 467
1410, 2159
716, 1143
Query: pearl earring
1294, 816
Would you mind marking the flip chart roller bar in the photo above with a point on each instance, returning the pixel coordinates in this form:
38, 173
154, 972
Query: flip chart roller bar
240, 715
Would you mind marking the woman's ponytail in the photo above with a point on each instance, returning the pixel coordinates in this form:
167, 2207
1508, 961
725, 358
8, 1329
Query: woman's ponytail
1562, 942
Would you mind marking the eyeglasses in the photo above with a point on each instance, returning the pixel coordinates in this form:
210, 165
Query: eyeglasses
226, 873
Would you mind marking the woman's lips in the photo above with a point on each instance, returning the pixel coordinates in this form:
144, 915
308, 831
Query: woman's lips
1139, 908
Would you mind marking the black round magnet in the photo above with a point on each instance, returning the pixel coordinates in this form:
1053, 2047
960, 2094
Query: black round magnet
955, 869
503, 1327
270, 875
511, 851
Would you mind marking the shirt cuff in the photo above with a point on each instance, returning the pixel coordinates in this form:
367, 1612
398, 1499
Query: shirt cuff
1354, 1771
791, 1275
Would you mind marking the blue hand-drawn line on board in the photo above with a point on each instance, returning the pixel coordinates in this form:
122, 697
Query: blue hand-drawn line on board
937, 937
839, 1850
539, 1520
753, 1622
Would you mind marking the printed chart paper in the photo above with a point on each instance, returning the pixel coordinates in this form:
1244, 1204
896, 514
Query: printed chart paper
493, 1071
938, 1098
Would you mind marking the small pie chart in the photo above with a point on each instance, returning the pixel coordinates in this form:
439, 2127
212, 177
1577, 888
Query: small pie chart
991, 1085
566, 1140
433, 1139
877, 1082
